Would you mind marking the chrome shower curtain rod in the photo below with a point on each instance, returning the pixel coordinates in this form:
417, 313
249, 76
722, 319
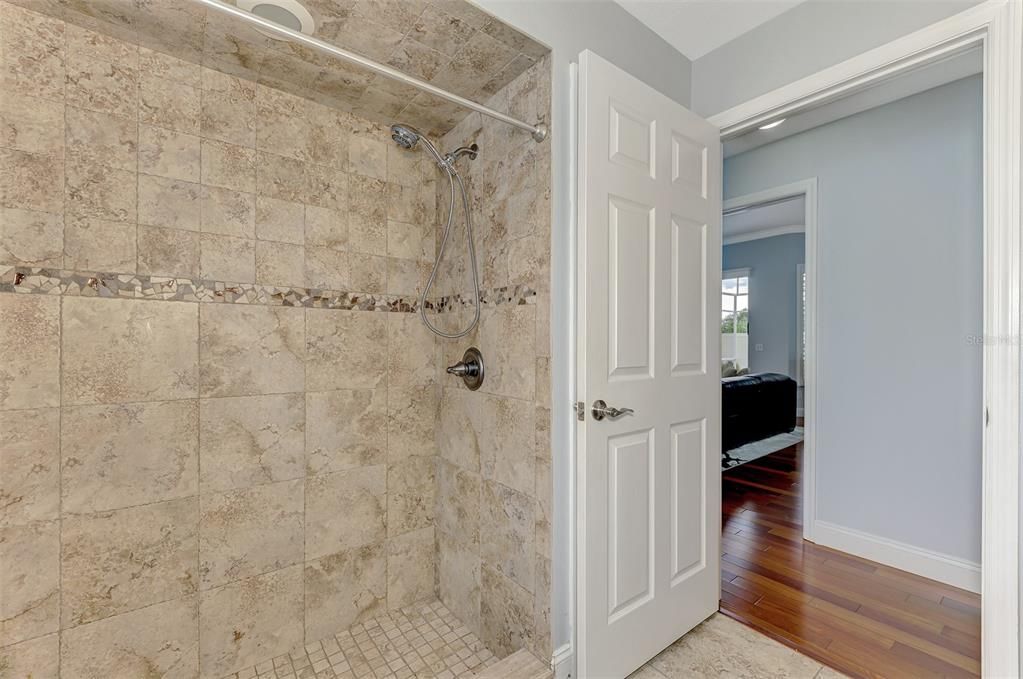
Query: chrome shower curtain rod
538, 131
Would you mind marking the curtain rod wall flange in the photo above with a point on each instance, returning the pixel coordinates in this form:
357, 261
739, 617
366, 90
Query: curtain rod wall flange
539, 131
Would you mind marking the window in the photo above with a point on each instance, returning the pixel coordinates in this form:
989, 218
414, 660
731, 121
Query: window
735, 317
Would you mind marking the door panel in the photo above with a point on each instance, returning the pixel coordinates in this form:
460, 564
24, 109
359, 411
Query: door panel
688, 164
631, 239
631, 495
688, 508
688, 295
649, 482
632, 139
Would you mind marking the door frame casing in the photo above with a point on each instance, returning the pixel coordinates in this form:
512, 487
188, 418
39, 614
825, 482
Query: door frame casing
808, 189
997, 26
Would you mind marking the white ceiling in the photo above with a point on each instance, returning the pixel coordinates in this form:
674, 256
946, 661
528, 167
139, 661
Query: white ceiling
696, 27
765, 220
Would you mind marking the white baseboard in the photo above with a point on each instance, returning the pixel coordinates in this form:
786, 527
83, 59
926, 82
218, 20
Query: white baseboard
941, 567
562, 661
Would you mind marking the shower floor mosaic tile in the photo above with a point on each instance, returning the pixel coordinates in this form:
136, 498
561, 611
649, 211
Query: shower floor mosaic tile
424, 641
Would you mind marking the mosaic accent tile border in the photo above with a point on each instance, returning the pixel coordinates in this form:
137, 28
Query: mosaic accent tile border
424, 641
33, 280
518, 294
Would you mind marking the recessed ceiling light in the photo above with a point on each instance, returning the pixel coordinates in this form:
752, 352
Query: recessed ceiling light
288, 13
769, 126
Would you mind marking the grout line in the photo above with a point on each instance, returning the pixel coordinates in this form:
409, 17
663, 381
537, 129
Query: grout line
60, 485
305, 462
408, 387
198, 479
60, 386
201, 193
138, 147
168, 400
388, 523
118, 613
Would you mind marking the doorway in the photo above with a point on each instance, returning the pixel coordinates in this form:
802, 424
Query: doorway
1001, 269
803, 370
889, 429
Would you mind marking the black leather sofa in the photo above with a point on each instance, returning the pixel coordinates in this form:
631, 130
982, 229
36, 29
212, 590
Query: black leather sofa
754, 407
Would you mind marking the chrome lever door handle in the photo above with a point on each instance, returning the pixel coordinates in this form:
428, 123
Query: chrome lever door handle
602, 410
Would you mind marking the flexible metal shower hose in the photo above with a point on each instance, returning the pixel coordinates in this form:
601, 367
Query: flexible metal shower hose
453, 176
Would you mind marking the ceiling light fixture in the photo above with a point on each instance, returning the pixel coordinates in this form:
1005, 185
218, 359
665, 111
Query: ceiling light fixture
288, 13
770, 126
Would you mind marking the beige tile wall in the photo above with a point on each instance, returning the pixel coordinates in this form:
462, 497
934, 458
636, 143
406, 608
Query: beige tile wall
188, 489
451, 43
494, 487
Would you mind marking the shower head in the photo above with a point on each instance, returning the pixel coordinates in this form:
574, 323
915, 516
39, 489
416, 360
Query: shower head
409, 137
405, 136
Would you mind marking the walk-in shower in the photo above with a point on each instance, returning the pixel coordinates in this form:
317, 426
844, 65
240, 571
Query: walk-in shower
232, 449
409, 137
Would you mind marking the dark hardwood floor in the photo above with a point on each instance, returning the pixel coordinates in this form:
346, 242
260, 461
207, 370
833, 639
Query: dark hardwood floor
857, 616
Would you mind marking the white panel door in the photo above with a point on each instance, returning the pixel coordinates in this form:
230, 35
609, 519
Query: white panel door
649, 276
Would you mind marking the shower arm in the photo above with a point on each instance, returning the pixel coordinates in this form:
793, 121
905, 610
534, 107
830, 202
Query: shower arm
539, 131
471, 151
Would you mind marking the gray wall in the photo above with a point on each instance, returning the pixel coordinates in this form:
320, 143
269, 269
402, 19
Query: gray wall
772, 314
568, 28
804, 40
899, 295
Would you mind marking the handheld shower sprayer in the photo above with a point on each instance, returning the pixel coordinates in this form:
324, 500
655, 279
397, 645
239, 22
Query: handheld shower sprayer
409, 137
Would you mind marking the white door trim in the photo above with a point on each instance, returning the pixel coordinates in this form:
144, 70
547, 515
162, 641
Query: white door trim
944, 38
997, 25
800, 325
807, 188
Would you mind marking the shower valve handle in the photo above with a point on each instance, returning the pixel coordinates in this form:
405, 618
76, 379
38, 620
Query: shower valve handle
470, 368
461, 369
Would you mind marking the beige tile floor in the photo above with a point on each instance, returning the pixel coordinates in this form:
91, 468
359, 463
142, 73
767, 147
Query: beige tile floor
722, 647
427, 641
424, 641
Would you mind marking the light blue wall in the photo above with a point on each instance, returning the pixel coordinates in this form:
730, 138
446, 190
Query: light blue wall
899, 297
773, 306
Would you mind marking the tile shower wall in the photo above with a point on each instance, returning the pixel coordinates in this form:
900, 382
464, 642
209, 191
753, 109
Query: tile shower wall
450, 43
494, 487
190, 488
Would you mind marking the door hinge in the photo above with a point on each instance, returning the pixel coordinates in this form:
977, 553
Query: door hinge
580, 411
